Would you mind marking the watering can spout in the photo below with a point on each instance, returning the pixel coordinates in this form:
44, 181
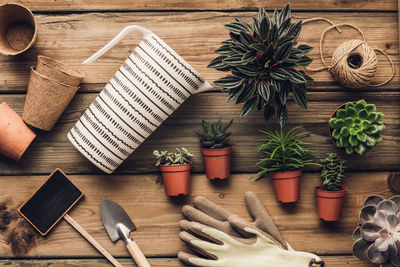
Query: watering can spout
116, 39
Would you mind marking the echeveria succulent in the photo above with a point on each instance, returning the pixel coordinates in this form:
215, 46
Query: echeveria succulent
357, 127
377, 238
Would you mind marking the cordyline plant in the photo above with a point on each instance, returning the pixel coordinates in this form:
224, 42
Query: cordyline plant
214, 135
179, 157
332, 168
377, 238
284, 151
263, 58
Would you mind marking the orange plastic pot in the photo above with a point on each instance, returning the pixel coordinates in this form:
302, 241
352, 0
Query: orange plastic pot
330, 203
176, 179
15, 136
286, 185
217, 162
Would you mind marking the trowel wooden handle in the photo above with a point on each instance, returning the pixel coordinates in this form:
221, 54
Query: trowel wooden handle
137, 254
92, 241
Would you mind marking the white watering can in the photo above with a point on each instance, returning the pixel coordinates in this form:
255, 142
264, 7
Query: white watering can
151, 84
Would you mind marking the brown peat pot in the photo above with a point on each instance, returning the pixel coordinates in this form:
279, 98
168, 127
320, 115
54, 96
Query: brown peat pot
330, 203
15, 136
176, 179
286, 185
217, 162
18, 30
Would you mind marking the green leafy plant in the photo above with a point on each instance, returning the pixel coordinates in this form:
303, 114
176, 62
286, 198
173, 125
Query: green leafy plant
332, 168
284, 150
214, 135
357, 127
179, 157
263, 57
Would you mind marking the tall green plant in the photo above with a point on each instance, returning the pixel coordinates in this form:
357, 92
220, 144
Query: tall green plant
263, 58
284, 150
332, 168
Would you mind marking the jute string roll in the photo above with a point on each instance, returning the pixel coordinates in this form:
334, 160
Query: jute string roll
354, 62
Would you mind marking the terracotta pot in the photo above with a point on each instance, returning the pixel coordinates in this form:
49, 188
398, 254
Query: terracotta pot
18, 30
176, 179
46, 100
330, 203
217, 162
58, 71
15, 136
286, 185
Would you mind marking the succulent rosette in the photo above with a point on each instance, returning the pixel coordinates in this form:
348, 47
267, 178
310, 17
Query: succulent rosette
377, 238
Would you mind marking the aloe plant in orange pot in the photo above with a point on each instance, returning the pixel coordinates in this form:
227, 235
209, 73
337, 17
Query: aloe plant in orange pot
175, 169
330, 196
216, 149
285, 154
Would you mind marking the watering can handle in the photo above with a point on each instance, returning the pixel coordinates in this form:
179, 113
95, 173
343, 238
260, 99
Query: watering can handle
116, 39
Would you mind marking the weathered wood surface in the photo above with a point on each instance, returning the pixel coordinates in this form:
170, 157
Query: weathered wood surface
330, 261
70, 5
157, 216
72, 38
53, 149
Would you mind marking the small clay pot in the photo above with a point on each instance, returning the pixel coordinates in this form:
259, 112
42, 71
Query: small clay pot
15, 136
18, 30
58, 71
217, 162
46, 100
286, 185
330, 203
176, 179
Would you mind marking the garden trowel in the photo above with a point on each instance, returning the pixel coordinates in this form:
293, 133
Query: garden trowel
118, 226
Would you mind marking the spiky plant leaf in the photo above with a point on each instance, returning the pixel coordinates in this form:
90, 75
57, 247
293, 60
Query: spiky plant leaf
262, 54
216, 134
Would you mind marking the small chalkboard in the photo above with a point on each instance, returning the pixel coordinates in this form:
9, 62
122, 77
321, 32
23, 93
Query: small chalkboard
50, 202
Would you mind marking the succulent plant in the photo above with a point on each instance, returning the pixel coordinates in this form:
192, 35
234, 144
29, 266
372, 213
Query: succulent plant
377, 238
179, 157
332, 168
284, 150
357, 127
214, 135
263, 57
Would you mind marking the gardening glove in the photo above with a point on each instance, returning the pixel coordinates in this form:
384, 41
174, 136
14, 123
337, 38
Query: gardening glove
232, 241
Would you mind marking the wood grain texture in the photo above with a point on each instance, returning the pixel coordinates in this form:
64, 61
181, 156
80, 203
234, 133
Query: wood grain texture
156, 216
46, 5
330, 261
72, 38
52, 149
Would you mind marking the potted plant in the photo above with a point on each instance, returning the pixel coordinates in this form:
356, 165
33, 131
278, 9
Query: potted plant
175, 169
263, 60
330, 195
356, 127
216, 149
285, 154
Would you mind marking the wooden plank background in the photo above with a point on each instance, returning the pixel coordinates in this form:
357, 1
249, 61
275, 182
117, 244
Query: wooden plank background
72, 30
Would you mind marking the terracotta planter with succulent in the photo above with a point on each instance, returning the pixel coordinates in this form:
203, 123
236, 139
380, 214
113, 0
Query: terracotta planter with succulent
285, 154
377, 237
330, 196
216, 149
263, 59
175, 169
356, 127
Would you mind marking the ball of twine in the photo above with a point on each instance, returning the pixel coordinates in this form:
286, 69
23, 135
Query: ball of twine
354, 62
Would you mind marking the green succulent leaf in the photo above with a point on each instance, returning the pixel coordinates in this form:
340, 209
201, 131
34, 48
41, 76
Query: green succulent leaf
353, 140
341, 114
332, 122
362, 137
360, 149
351, 111
345, 131
363, 114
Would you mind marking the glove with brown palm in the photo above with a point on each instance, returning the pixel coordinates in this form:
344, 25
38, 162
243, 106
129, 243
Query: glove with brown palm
227, 240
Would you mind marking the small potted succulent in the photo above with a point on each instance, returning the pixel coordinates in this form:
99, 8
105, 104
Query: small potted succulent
265, 63
175, 169
216, 149
377, 236
330, 195
285, 154
356, 127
